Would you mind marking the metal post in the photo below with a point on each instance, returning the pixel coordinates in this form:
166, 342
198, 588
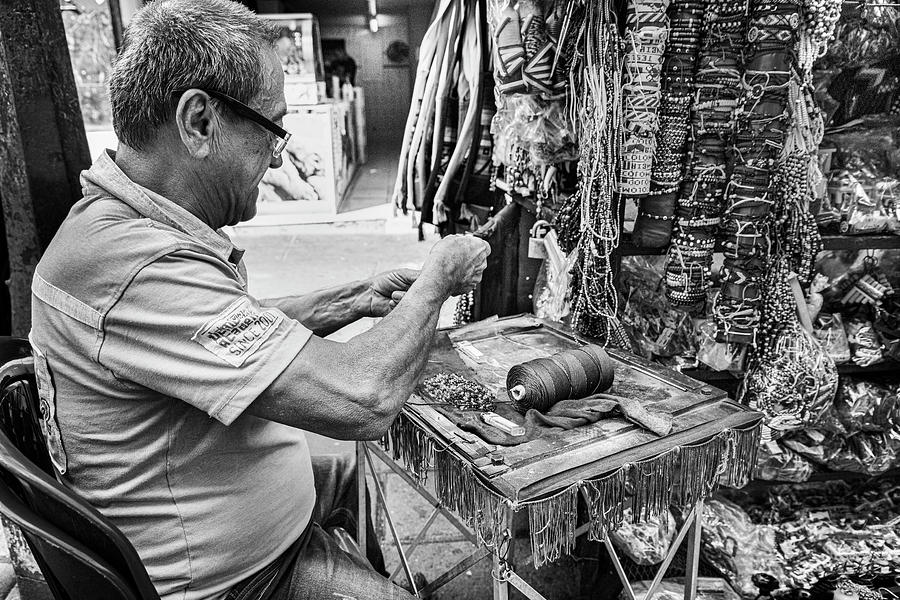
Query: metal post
619, 570
501, 585
363, 512
693, 554
390, 522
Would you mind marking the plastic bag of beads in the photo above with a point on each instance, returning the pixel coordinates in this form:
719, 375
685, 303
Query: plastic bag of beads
857, 205
864, 36
867, 406
887, 324
870, 151
809, 443
778, 463
552, 284
829, 330
708, 588
792, 382
869, 453
656, 330
737, 547
864, 343
717, 355
545, 131
645, 543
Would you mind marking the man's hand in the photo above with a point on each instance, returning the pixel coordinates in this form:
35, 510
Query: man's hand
386, 290
457, 261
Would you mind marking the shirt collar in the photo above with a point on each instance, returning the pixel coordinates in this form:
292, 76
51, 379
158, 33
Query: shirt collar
106, 175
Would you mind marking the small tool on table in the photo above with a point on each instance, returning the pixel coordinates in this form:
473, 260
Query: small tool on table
502, 423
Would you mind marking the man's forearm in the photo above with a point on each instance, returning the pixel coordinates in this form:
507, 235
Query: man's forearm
324, 311
358, 386
402, 340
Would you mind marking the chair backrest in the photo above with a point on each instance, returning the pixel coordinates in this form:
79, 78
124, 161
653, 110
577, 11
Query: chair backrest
80, 552
19, 402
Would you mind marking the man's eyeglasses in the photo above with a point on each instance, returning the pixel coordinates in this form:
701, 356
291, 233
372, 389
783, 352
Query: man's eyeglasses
245, 111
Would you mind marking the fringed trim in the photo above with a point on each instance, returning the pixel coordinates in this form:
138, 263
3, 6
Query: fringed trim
651, 485
682, 476
409, 443
605, 503
459, 489
741, 460
552, 523
700, 469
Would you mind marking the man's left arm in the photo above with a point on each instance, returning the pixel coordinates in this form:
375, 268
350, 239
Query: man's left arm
326, 311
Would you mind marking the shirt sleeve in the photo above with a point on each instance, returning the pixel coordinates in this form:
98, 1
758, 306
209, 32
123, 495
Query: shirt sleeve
186, 328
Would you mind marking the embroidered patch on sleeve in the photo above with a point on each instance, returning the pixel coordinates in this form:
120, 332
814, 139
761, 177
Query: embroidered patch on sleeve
238, 331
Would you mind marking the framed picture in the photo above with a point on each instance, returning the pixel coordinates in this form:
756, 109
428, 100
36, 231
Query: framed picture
300, 50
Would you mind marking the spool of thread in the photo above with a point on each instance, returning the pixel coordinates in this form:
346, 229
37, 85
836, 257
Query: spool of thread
542, 382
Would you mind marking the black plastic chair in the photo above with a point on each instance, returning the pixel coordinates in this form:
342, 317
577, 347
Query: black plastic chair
79, 551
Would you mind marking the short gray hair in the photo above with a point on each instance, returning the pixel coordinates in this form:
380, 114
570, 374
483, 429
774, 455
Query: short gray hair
178, 44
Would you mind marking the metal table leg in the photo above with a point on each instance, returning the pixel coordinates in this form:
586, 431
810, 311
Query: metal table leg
693, 554
390, 522
361, 496
501, 556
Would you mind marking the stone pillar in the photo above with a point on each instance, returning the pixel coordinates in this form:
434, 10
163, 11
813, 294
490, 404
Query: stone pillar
43, 146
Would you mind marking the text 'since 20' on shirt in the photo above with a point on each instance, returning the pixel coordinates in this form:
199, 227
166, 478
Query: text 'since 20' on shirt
148, 350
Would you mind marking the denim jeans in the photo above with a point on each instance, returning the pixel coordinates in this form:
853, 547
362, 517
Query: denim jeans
315, 567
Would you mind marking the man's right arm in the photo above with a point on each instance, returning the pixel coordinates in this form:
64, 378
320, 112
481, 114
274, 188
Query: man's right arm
354, 390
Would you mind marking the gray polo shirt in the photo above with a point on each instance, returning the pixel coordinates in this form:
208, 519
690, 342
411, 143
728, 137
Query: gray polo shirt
148, 349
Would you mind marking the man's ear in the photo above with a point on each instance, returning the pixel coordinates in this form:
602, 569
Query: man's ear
197, 122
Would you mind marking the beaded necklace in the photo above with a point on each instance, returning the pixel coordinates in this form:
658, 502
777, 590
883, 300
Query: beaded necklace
597, 109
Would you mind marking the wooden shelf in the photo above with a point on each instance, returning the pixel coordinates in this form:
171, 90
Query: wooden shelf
829, 242
726, 377
886, 366
860, 242
824, 476
627, 248
711, 376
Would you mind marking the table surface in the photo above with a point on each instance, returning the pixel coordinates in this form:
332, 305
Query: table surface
485, 351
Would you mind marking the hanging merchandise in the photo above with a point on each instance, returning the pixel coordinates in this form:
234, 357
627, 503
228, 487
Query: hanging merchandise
699, 203
588, 222
790, 373
656, 212
533, 138
444, 138
776, 170
646, 29
762, 122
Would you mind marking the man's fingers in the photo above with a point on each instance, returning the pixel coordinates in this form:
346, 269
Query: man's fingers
397, 296
409, 275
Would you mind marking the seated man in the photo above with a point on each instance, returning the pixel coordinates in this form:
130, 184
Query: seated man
174, 401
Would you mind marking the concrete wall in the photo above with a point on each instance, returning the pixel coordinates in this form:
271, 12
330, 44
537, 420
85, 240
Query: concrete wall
388, 86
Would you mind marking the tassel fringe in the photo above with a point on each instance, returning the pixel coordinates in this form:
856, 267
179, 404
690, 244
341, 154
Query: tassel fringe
552, 523
681, 476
